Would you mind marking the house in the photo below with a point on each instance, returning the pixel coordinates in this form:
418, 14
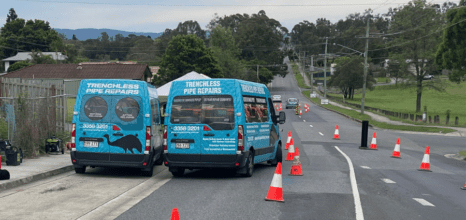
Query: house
22, 56
411, 67
71, 74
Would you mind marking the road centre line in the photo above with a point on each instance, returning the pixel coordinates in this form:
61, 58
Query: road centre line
424, 202
321, 133
388, 180
311, 126
304, 120
354, 186
366, 167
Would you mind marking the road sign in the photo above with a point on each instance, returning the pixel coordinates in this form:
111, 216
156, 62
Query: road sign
324, 101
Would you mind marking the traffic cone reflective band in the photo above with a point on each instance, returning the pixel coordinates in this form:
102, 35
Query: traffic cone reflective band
175, 214
374, 142
288, 141
296, 169
337, 134
300, 112
280, 106
464, 187
276, 191
290, 155
425, 165
306, 110
396, 151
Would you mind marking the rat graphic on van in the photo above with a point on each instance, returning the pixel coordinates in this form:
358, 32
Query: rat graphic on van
220, 123
116, 123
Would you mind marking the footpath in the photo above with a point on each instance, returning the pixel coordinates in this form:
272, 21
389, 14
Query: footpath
31, 170
459, 130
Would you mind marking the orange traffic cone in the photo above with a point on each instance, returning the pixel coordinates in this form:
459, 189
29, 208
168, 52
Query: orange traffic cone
306, 110
276, 191
464, 187
300, 112
296, 169
288, 140
374, 142
290, 155
396, 151
280, 106
175, 214
337, 134
425, 165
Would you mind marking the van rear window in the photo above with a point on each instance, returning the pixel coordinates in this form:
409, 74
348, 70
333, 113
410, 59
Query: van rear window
95, 108
217, 111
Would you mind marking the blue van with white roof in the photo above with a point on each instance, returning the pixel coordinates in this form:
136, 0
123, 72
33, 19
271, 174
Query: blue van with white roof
220, 123
116, 123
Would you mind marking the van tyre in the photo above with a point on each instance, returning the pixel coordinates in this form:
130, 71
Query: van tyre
177, 172
278, 156
80, 169
250, 164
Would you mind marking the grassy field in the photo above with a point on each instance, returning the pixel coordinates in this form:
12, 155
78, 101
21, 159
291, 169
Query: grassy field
403, 99
70, 103
357, 115
299, 77
382, 79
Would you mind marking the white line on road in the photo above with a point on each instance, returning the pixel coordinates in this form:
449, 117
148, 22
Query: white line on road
354, 186
321, 133
311, 126
424, 202
388, 180
366, 167
304, 120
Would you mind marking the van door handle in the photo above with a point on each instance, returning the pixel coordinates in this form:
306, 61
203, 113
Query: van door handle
209, 134
117, 134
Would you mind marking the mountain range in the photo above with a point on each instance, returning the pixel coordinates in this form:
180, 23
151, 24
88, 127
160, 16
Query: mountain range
91, 33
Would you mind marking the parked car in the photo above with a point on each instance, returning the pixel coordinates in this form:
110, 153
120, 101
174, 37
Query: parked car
277, 98
428, 77
292, 103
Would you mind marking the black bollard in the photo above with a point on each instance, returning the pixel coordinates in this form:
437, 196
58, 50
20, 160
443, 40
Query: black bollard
364, 132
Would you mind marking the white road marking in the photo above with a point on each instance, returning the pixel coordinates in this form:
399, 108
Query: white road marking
300, 116
354, 186
311, 126
424, 202
321, 133
304, 120
366, 167
388, 180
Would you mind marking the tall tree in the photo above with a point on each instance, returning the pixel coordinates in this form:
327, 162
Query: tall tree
227, 53
414, 28
186, 53
11, 16
451, 53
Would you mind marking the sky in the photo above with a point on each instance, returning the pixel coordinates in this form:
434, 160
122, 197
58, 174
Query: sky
156, 16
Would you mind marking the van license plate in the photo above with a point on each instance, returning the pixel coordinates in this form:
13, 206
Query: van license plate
91, 144
182, 145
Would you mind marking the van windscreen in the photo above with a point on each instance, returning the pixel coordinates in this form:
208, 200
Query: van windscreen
217, 111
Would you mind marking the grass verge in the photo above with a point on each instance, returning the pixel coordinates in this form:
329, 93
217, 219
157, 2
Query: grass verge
462, 153
356, 115
382, 79
299, 77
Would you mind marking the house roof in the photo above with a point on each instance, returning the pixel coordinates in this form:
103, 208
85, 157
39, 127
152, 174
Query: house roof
27, 55
165, 89
81, 71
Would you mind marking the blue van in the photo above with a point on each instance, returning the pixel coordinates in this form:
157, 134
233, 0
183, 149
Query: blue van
116, 123
220, 123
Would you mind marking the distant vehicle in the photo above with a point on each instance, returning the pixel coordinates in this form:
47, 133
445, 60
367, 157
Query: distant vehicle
428, 77
292, 103
277, 98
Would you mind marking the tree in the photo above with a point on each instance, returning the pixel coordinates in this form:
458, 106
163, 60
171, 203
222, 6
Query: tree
11, 16
415, 40
227, 53
451, 52
186, 53
18, 65
74, 37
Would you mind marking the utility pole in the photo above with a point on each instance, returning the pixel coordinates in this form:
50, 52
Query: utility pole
257, 73
365, 67
311, 69
325, 69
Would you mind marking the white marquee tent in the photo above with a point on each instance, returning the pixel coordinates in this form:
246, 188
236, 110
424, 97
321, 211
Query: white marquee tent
165, 89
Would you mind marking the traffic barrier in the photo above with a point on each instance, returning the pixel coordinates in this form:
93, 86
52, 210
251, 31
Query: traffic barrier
288, 140
4, 174
396, 151
296, 169
337, 134
290, 155
276, 190
374, 142
464, 187
175, 214
425, 165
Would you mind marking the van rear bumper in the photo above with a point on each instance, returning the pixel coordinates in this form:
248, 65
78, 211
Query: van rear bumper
198, 161
110, 160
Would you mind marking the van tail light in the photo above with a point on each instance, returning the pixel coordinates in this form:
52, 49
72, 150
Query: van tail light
240, 138
165, 138
147, 140
115, 128
206, 128
73, 137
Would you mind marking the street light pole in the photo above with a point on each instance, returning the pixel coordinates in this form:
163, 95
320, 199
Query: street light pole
325, 69
365, 68
257, 73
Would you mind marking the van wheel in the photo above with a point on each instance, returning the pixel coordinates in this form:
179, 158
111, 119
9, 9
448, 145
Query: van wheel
278, 156
80, 170
178, 172
250, 164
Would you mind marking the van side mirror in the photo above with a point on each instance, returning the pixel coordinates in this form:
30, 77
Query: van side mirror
281, 118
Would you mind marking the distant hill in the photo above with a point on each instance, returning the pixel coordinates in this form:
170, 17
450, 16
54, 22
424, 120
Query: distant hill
91, 33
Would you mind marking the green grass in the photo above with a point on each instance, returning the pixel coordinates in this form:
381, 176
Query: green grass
357, 115
382, 79
322, 78
299, 77
70, 103
463, 153
403, 99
